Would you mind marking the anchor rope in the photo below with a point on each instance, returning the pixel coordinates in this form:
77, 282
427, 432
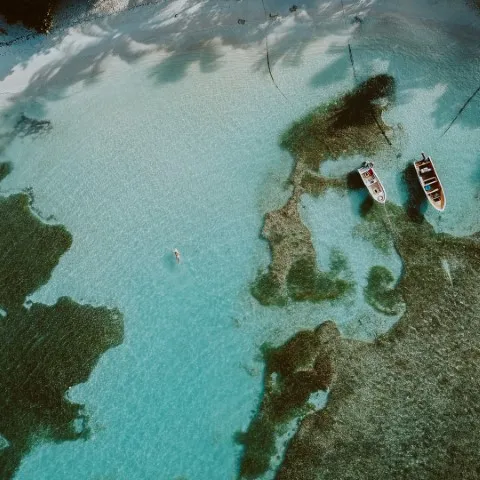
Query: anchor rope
268, 56
350, 52
461, 110
355, 77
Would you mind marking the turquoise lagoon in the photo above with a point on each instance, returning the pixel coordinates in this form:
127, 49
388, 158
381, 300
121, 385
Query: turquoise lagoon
163, 139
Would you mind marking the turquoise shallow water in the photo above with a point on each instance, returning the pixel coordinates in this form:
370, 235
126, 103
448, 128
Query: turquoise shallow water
143, 158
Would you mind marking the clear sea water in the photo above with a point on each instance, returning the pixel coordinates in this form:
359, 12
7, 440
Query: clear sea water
177, 147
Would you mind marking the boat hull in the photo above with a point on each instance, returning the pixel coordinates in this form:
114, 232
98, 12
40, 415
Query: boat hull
372, 182
430, 182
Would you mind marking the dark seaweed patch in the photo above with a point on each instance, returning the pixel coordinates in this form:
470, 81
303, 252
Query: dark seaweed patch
381, 293
268, 290
347, 126
306, 282
5, 169
293, 372
44, 350
26, 126
259, 446
29, 250
293, 272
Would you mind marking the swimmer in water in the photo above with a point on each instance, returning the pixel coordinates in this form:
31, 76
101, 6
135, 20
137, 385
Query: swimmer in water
177, 255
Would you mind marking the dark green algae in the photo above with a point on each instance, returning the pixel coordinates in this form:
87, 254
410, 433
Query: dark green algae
349, 126
5, 169
45, 349
406, 406
29, 250
381, 292
292, 372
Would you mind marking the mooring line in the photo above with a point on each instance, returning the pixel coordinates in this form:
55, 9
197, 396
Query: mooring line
461, 110
350, 53
268, 57
349, 46
381, 128
386, 215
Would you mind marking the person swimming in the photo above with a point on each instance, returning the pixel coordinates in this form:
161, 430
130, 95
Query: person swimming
177, 255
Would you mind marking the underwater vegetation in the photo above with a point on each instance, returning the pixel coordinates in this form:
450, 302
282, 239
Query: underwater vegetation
292, 373
350, 125
293, 273
44, 349
381, 293
30, 250
5, 169
406, 405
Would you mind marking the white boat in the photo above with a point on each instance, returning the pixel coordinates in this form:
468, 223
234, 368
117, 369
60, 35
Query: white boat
372, 182
428, 178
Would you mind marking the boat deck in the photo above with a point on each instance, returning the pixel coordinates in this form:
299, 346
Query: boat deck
429, 180
373, 184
